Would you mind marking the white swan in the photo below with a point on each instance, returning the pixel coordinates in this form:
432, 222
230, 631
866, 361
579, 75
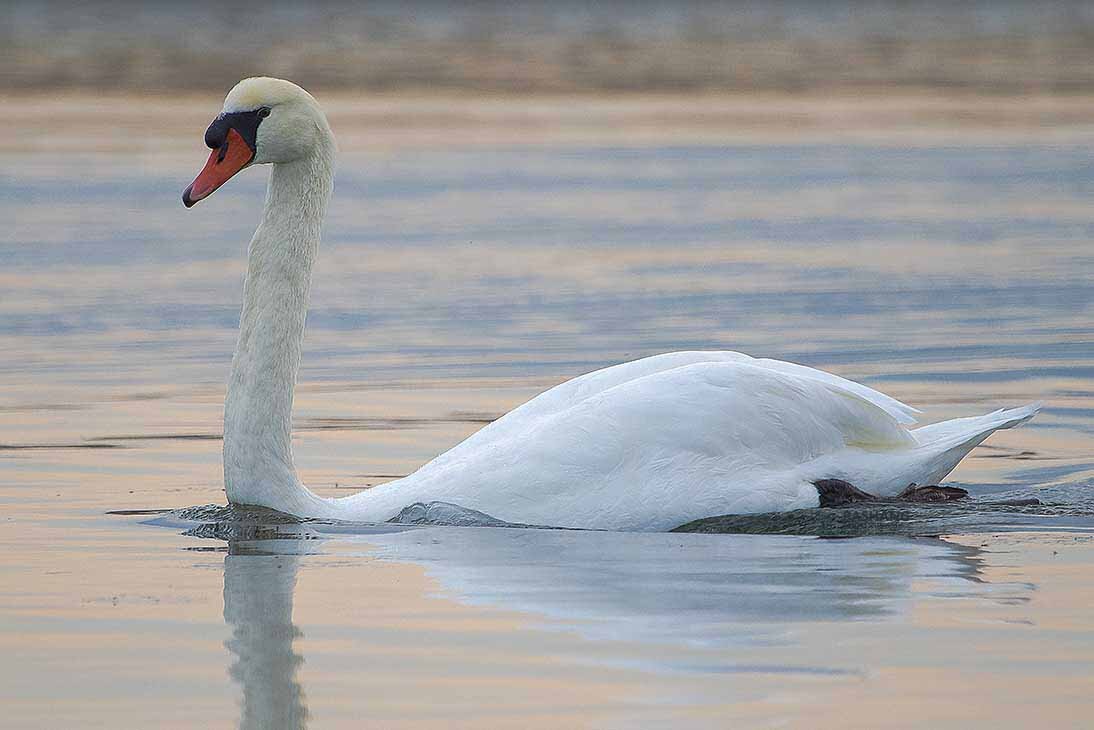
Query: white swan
645, 445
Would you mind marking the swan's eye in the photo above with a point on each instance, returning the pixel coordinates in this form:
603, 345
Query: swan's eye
264, 112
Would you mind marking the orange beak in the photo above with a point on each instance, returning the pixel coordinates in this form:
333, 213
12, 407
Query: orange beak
231, 157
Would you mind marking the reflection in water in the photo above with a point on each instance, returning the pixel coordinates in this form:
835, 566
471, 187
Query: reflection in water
258, 606
696, 604
718, 592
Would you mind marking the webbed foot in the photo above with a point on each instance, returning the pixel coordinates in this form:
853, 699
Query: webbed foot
931, 493
836, 493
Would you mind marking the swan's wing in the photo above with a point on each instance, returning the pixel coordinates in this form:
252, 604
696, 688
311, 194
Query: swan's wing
572, 392
902, 412
788, 408
720, 435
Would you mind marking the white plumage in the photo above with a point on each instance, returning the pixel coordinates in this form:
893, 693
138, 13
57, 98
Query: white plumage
646, 445
658, 442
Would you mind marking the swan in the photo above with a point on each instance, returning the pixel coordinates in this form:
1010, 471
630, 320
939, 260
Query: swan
644, 445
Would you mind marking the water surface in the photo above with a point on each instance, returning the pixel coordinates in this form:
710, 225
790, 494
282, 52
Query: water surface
457, 278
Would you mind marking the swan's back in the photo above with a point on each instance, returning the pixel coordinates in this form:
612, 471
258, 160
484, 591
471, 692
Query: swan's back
656, 442
572, 392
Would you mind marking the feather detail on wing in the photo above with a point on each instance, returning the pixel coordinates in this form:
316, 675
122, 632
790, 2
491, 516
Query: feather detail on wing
574, 391
713, 404
902, 412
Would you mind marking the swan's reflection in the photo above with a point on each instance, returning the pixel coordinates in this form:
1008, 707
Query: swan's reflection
258, 607
696, 590
717, 601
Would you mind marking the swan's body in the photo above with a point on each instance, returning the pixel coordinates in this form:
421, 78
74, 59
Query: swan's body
648, 444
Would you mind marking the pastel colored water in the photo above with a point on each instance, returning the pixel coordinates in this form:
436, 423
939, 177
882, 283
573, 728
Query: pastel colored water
470, 261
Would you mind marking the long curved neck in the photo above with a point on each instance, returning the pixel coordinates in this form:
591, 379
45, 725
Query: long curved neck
258, 462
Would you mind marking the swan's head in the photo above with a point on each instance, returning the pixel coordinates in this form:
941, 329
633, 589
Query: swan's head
263, 120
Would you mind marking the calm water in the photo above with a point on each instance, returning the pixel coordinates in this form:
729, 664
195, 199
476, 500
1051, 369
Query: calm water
459, 278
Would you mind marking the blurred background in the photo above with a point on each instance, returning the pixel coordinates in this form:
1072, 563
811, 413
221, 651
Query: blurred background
1000, 46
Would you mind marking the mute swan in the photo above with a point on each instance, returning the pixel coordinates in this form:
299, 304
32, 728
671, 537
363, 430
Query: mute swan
646, 445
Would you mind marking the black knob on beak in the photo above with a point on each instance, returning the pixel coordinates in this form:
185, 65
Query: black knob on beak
217, 132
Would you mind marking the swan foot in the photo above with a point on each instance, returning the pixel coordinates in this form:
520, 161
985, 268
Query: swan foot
836, 493
931, 493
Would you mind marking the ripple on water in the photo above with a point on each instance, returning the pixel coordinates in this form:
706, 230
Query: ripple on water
1069, 507
1066, 507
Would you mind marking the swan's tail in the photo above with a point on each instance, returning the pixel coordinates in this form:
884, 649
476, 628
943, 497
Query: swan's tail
949, 442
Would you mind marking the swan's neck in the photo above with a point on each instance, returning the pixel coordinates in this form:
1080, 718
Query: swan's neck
258, 462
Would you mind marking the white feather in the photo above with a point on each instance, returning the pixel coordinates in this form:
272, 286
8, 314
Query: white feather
645, 445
